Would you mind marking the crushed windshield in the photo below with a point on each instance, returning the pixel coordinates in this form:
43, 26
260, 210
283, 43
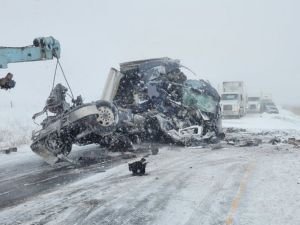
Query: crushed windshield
230, 96
198, 94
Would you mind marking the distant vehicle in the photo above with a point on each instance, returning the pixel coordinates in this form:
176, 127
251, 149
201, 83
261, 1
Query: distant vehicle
233, 99
269, 106
254, 104
272, 109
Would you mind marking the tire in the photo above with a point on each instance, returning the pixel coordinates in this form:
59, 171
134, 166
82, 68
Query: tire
108, 118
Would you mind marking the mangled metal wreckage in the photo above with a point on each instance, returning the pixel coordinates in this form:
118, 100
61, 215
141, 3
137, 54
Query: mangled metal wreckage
146, 101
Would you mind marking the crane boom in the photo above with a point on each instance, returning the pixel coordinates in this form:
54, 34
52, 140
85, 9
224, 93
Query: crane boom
43, 48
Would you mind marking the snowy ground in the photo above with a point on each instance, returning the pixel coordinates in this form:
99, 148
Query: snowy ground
228, 185
284, 121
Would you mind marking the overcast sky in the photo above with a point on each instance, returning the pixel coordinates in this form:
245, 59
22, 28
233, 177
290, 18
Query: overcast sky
255, 41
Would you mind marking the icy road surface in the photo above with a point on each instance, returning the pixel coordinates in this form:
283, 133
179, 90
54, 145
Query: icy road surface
183, 186
229, 185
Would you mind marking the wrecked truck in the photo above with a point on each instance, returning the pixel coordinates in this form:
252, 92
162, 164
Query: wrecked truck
145, 101
67, 124
162, 105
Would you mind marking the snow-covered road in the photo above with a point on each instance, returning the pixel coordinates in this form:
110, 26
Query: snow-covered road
183, 186
229, 185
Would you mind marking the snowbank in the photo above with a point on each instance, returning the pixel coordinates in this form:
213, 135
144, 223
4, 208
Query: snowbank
16, 126
285, 120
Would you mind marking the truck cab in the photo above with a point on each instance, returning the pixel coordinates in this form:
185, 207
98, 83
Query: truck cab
232, 104
254, 104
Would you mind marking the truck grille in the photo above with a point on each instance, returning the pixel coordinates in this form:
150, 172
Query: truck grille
227, 107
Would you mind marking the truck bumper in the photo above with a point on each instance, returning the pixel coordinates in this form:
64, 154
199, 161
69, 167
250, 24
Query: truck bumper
230, 113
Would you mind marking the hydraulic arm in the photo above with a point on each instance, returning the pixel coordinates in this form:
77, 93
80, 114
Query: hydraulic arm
43, 48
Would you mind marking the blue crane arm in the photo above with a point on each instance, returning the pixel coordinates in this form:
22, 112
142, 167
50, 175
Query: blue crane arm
44, 48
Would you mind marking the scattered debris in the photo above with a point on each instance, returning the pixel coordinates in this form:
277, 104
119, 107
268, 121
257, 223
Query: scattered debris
138, 167
294, 141
275, 141
154, 151
250, 142
8, 150
243, 141
234, 130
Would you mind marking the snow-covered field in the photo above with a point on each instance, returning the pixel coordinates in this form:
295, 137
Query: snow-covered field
229, 185
286, 120
16, 125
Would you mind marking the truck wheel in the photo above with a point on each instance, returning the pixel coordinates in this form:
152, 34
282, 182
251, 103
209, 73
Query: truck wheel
108, 117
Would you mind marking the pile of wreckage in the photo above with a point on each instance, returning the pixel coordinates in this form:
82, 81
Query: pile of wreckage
240, 137
145, 101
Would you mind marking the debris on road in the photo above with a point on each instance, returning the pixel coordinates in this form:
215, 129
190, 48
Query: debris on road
250, 142
244, 142
294, 141
8, 150
154, 150
234, 130
275, 141
242, 139
138, 167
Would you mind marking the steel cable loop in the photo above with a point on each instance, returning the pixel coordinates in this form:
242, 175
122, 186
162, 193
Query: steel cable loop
196, 75
65, 78
54, 77
54, 74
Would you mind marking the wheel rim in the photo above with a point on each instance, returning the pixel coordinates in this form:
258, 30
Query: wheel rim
105, 116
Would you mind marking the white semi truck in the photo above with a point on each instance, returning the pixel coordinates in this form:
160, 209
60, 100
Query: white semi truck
254, 103
233, 99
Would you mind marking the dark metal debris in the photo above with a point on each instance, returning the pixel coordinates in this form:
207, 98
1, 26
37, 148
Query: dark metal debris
275, 141
243, 141
8, 150
294, 141
138, 167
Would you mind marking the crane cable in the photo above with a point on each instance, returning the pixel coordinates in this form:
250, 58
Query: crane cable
63, 73
196, 75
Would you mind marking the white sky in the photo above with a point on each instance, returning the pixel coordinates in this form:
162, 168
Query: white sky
256, 41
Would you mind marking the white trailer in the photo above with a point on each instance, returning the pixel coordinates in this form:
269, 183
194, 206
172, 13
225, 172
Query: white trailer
233, 99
